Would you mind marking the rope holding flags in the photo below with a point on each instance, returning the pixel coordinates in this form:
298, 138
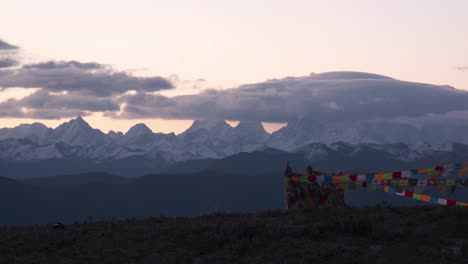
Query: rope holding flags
317, 189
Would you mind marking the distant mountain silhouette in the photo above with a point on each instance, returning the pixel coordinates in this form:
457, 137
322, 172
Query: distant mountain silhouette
245, 182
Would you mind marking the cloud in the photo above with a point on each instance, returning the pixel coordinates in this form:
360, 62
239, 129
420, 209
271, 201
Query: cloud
460, 117
7, 46
6, 51
6, 63
50, 65
76, 77
462, 68
329, 97
45, 105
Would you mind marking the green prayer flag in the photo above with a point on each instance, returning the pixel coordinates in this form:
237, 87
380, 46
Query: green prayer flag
344, 178
388, 176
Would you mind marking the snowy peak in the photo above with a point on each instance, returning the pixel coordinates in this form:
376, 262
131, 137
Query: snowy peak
207, 130
139, 136
250, 126
251, 131
138, 130
35, 132
77, 124
77, 132
209, 125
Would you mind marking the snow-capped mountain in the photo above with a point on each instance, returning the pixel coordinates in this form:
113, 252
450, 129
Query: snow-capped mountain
77, 132
307, 130
217, 139
76, 138
35, 132
251, 132
75, 146
207, 138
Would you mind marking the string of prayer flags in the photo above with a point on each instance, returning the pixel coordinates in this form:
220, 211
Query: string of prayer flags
377, 178
428, 198
316, 189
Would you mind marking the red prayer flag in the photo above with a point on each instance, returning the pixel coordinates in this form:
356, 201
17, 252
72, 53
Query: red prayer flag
397, 175
451, 203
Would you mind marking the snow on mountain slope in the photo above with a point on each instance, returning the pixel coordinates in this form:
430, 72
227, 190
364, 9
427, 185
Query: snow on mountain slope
142, 138
207, 138
251, 132
307, 130
24, 149
250, 135
138, 135
116, 136
36, 132
217, 139
77, 132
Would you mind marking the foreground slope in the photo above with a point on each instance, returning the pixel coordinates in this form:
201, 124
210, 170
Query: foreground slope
370, 235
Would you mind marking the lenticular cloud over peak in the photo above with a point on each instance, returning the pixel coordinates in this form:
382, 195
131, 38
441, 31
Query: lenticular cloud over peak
347, 75
327, 97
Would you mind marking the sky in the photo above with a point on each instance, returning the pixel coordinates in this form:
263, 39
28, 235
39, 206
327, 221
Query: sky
124, 62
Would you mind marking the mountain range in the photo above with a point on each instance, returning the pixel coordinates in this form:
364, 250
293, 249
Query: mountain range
74, 172
75, 147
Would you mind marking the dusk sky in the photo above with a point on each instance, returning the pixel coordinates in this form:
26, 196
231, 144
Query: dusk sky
62, 58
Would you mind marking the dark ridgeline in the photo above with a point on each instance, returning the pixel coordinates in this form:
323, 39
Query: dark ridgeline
246, 182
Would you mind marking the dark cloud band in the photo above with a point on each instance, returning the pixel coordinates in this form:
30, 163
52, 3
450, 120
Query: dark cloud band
44, 105
7, 63
329, 97
7, 46
76, 77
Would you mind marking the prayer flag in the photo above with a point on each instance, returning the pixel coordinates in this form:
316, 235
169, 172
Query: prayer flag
451, 203
442, 201
361, 177
397, 175
379, 176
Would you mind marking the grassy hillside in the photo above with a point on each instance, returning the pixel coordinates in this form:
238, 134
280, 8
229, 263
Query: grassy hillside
366, 235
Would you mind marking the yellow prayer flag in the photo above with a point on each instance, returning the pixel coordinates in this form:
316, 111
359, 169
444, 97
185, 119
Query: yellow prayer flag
403, 182
451, 182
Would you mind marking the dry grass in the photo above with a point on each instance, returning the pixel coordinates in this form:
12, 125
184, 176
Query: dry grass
366, 235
